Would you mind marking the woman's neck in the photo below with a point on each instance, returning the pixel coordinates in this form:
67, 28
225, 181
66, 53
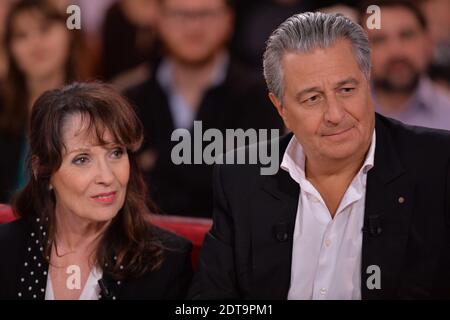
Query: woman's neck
75, 234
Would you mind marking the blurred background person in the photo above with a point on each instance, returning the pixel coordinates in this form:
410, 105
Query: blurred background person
85, 205
255, 22
437, 13
401, 53
4, 8
42, 54
256, 19
128, 37
196, 79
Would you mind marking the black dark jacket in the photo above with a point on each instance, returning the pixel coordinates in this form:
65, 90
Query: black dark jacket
11, 146
239, 102
248, 252
22, 267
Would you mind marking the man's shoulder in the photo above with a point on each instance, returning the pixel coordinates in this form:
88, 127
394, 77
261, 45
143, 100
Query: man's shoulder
254, 161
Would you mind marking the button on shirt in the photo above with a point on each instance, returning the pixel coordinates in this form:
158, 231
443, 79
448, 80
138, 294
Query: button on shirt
326, 254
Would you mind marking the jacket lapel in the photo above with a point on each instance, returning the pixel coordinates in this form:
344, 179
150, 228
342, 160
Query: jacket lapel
272, 233
388, 207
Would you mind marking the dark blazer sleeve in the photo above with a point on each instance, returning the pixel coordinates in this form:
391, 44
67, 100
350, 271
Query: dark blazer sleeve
169, 282
181, 275
216, 277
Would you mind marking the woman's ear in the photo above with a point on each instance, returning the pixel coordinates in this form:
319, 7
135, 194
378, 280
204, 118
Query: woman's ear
35, 166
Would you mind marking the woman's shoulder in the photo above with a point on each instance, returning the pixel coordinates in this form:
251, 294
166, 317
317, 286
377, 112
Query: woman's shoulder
171, 279
171, 242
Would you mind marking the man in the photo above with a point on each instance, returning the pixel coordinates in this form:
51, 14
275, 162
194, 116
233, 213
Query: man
360, 206
401, 54
195, 81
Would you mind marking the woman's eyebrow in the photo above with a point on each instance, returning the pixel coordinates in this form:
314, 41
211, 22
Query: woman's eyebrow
80, 150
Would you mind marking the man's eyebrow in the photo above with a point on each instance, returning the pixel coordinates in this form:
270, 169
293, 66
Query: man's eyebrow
307, 90
350, 80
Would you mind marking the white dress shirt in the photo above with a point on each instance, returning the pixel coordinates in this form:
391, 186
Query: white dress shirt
326, 254
91, 290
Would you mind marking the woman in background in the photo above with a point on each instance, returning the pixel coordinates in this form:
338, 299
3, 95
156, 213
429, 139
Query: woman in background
42, 55
83, 232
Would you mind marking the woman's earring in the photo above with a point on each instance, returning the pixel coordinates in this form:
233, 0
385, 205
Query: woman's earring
50, 187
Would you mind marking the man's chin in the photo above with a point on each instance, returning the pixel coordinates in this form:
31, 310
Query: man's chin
399, 85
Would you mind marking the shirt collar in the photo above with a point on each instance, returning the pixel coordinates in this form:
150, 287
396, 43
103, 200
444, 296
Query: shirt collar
294, 159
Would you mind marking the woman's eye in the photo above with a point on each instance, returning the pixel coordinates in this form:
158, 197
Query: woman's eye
117, 153
80, 160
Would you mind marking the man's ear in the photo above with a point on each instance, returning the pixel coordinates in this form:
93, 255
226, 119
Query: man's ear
279, 106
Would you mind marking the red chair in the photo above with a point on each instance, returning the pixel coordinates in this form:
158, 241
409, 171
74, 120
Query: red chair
193, 229
6, 214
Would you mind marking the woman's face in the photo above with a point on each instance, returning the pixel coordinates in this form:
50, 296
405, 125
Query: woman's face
4, 7
91, 183
40, 47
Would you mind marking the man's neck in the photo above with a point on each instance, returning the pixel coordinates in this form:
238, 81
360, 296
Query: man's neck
392, 102
332, 177
319, 169
193, 80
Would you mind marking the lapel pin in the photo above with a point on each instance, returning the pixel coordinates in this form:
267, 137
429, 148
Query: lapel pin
401, 200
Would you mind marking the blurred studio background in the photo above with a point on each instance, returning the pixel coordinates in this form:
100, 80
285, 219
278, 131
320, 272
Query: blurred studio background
179, 61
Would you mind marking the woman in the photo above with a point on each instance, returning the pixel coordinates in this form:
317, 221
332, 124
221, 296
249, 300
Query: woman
42, 55
83, 232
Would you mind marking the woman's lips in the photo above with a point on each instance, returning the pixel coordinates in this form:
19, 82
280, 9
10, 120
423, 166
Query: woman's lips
107, 198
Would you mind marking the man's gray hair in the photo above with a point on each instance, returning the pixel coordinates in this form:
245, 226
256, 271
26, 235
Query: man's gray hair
308, 31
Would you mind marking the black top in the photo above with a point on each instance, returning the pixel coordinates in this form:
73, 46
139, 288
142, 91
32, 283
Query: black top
248, 252
23, 269
239, 102
11, 146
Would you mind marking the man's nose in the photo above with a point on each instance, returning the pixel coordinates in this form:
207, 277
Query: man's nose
334, 113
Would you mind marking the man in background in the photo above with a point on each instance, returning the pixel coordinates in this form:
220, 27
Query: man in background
401, 53
196, 80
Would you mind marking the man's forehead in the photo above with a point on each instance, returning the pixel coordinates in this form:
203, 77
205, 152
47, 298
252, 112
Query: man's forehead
319, 66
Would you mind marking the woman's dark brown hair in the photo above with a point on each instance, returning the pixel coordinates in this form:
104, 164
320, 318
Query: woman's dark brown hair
14, 114
129, 240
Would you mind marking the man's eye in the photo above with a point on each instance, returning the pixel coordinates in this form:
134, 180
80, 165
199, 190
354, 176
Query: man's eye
313, 99
347, 90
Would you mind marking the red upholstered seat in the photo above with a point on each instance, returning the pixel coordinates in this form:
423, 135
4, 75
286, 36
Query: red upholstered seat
6, 214
193, 229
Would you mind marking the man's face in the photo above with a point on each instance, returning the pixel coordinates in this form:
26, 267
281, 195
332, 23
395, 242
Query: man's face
327, 102
401, 50
195, 30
